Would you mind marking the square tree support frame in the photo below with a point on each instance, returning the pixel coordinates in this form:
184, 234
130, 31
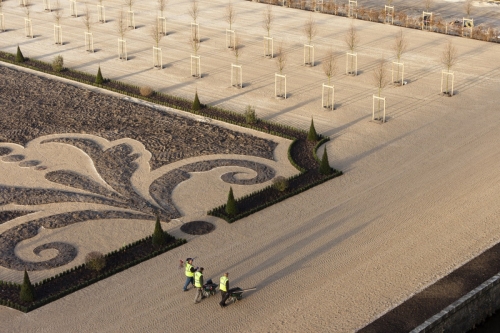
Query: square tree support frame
354, 60
89, 42
308, 49
162, 25
330, 102
389, 14
2, 23
197, 66
352, 9
230, 39
319, 6
280, 78
130, 19
268, 51
101, 14
122, 49
446, 74
28, 28
376, 98
398, 65
467, 23
195, 31
235, 70
73, 9
58, 35
427, 23
46, 6
157, 58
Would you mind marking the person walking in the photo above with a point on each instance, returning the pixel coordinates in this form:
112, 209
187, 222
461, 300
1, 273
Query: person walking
198, 284
189, 273
224, 288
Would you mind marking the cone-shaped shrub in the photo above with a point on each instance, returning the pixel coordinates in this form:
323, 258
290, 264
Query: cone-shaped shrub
19, 55
324, 167
158, 234
312, 136
99, 79
27, 293
196, 102
231, 208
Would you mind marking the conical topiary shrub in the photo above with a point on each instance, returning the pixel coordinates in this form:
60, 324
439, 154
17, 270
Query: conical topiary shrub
196, 102
19, 55
312, 136
99, 79
231, 208
27, 293
158, 234
324, 167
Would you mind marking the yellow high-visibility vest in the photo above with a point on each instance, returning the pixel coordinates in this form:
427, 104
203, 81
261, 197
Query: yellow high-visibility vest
188, 270
197, 277
223, 280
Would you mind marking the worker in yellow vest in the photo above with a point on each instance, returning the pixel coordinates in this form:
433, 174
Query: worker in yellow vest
198, 284
224, 287
189, 273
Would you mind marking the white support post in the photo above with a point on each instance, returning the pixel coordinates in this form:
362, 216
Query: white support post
73, 9
28, 28
101, 14
283, 3
46, 6
389, 14
352, 10
162, 25
157, 58
329, 101
195, 31
196, 72
427, 21
279, 92
230, 39
23, 3
351, 64
236, 76
319, 6
447, 75
309, 58
58, 35
89, 42
398, 68
380, 100
130, 19
467, 23
122, 49
2, 22
268, 47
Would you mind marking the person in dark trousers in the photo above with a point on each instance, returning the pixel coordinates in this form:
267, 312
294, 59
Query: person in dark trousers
224, 287
189, 273
198, 284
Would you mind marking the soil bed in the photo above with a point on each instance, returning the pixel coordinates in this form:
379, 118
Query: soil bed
197, 228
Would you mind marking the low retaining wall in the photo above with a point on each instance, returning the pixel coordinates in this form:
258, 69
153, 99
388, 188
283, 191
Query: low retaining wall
466, 312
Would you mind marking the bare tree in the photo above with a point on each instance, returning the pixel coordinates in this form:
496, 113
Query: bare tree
155, 34
87, 18
58, 13
400, 45
230, 15
352, 38
280, 58
27, 10
380, 76
330, 65
195, 45
121, 24
194, 10
237, 48
129, 4
268, 20
310, 29
468, 7
428, 4
162, 4
449, 59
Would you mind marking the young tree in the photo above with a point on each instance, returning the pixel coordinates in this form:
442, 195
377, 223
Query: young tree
400, 45
27, 293
268, 20
195, 45
231, 207
194, 10
468, 7
129, 4
87, 19
310, 29
449, 59
162, 4
428, 4
280, 58
330, 65
154, 33
159, 238
352, 41
380, 76
121, 25
58, 13
230, 15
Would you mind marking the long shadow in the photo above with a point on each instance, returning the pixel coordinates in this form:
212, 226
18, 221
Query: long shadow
290, 108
